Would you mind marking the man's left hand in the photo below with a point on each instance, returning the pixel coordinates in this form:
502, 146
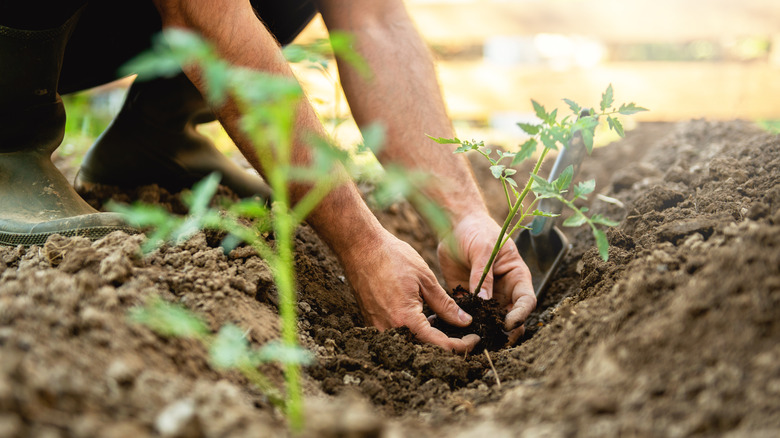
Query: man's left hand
464, 256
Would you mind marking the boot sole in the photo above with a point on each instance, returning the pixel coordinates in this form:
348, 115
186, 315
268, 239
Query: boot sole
15, 233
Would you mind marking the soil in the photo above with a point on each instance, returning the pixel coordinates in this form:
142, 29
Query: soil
487, 321
676, 335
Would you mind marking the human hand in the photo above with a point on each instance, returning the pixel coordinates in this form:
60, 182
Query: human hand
391, 281
464, 256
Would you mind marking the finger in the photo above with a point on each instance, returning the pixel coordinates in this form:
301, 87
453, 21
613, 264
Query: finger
455, 273
520, 311
425, 333
478, 264
515, 334
444, 305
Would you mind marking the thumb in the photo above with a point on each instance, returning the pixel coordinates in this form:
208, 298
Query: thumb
477, 268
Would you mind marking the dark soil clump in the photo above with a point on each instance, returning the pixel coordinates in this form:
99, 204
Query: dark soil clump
488, 321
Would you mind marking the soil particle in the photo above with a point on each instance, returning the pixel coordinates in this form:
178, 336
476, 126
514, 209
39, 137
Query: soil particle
675, 335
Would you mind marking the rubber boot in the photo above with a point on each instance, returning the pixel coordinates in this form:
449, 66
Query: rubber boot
153, 140
36, 200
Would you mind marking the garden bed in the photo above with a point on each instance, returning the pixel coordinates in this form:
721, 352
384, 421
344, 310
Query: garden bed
677, 334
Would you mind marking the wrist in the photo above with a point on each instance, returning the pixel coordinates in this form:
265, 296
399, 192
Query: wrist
345, 224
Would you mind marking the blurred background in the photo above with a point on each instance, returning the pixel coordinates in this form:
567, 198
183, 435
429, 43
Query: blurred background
682, 59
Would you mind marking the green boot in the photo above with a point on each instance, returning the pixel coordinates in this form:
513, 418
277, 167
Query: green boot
36, 201
153, 140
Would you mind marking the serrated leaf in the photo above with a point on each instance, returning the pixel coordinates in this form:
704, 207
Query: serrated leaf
575, 220
527, 150
509, 172
464, 148
542, 188
615, 125
562, 182
607, 98
575, 108
548, 140
230, 349
630, 108
601, 219
442, 140
584, 188
497, 170
530, 129
538, 212
602, 243
587, 139
540, 111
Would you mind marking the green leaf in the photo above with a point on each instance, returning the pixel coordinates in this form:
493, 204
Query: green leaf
548, 139
584, 188
497, 170
575, 220
511, 182
343, 44
631, 108
250, 208
575, 108
509, 172
527, 150
230, 349
442, 140
373, 137
602, 243
601, 219
540, 111
538, 212
607, 98
615, 125
564, 180
529, 128
285, 354
202, 192
169, 319
464, 148
542, 188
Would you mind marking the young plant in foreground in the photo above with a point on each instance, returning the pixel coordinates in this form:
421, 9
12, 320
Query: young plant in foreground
268, 106
550, 134
228, 348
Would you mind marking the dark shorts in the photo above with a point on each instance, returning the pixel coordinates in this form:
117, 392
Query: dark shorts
109, 33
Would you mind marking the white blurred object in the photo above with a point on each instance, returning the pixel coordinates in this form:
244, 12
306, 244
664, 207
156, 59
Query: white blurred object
558, 51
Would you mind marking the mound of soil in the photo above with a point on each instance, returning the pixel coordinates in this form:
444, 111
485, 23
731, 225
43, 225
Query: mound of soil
676, 335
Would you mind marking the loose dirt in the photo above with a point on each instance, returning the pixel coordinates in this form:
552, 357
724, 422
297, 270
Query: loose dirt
676, 335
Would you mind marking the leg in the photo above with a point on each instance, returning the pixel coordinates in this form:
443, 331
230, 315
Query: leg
36, 199
154, 140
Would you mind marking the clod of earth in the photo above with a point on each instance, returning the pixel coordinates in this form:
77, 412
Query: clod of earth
488, 321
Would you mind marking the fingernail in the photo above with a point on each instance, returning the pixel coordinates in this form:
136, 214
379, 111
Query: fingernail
483, 293
464, 317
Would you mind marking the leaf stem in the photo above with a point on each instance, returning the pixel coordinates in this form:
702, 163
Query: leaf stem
512, 212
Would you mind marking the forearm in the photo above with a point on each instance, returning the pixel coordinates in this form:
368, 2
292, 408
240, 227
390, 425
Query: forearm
341, 219
403, 95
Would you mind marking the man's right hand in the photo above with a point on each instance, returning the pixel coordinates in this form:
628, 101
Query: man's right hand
391, 281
